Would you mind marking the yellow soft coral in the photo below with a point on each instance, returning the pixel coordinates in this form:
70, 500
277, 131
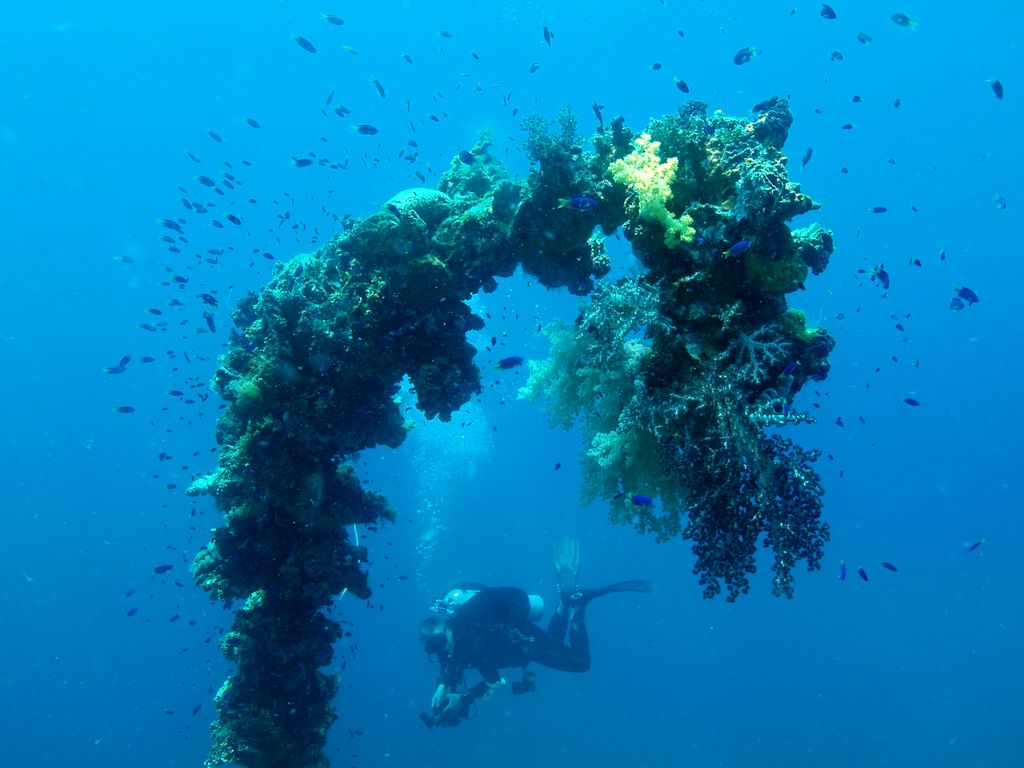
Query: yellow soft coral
650, 180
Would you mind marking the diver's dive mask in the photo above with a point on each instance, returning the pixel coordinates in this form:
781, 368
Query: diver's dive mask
436, 644
435, 636
453, 601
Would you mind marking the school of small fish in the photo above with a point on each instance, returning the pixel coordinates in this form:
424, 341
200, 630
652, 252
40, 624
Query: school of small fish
214, 197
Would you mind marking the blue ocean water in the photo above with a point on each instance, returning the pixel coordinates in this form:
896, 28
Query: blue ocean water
101, 104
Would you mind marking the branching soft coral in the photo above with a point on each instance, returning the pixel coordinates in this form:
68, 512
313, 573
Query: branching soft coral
752, 355
650, 180
595, 374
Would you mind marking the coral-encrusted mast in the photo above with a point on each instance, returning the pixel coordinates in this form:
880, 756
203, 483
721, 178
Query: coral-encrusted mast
317, 357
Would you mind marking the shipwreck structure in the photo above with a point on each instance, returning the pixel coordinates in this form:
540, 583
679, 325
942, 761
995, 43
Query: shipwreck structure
695, 364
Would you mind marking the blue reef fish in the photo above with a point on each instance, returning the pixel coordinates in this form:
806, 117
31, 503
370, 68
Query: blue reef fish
124, 409
252, 123
365, 129
997, 88
745, 55
739, 247
967, 295
641, 501
842, 570
467, 157
862, 573
879, 274
579, 203
304, 44
889, 566
827, 12
956, 304
975, 545
330, 18
505, 363
902, 20
162, 569
121, 367
911, 401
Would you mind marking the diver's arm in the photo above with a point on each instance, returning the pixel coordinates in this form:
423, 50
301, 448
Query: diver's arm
490, 679
457, 704
445, 696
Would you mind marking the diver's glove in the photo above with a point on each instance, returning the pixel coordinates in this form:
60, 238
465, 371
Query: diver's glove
438, 698
451, 710
456, 705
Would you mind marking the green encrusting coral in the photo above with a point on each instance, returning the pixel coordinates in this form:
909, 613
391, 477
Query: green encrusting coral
675, 376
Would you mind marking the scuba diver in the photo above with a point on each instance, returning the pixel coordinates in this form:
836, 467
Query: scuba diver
491, 628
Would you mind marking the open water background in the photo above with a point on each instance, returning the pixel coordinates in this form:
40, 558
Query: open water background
99, 103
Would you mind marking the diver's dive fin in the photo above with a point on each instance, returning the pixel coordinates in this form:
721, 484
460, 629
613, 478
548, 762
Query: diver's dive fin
584, 596
567, 563
637, 585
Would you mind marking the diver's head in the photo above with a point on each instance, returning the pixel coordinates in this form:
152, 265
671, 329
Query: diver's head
436, 636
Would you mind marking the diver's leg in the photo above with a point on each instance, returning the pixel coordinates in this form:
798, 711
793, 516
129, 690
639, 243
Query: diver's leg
579, 642
569, 616
559, 622
550, 651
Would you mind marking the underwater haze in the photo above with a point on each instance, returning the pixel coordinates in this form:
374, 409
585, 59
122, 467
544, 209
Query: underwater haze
162, 161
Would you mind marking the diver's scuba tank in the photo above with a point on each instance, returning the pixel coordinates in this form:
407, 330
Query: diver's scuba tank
536, 607
458, 596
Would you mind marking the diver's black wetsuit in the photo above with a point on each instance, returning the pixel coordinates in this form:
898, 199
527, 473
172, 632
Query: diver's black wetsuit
492, 630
